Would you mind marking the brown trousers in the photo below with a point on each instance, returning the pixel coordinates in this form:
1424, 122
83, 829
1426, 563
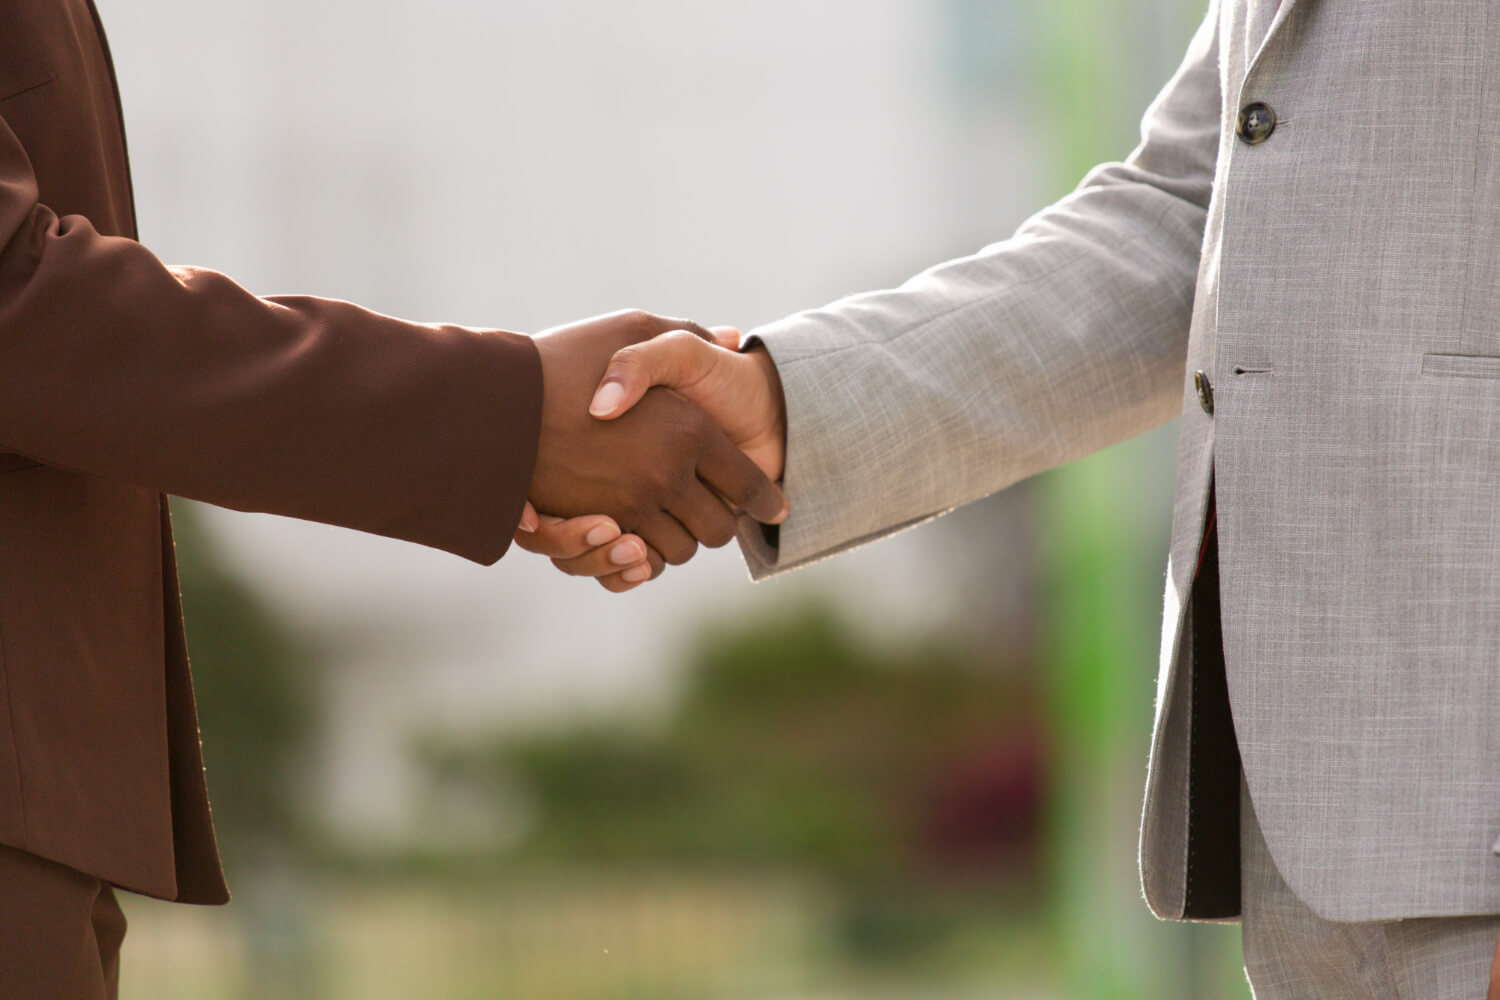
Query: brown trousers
60, 931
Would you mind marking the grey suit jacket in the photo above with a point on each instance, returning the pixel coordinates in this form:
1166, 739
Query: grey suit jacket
1336, 284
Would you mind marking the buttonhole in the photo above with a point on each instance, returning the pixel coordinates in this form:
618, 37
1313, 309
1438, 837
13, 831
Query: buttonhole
1252, 370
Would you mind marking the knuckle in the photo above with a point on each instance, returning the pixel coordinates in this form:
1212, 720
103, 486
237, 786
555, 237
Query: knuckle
640, 320
650, 489
678, 553
569, 548
691, 356
693, 427
555, 549
665, 482
638, 511
681, 337
683, 324
680, 480
719, 535
567, 566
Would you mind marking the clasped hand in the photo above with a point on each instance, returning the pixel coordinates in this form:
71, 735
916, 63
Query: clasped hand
656, 436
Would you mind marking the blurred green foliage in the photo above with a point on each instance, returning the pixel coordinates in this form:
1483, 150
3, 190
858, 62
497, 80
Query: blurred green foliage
796, 743
907, 777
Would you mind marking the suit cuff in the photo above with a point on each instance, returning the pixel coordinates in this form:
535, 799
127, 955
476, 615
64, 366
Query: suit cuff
490, 455
821, 478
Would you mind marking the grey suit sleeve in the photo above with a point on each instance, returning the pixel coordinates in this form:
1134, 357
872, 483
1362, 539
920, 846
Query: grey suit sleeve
1066, 338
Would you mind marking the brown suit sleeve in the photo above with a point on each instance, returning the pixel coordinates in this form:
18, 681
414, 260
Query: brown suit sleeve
114, 365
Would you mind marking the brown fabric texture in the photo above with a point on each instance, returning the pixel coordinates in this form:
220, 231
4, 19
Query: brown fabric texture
60, 931
122, 379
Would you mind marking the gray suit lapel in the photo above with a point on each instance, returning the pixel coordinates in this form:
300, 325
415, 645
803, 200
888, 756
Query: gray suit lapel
1260, 34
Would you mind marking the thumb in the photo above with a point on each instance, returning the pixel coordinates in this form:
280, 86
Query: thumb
726, 337
677, 360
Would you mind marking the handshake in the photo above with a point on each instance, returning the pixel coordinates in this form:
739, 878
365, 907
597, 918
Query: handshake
656, 436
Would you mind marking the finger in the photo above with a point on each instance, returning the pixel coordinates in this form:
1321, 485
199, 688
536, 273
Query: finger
629, 579
704, 515
569, 538
740, 481
727, 337
626, 552
617, 584
666, 535
529, 520
542, 539
678, 359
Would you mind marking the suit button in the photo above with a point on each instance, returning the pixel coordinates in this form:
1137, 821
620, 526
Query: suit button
1255, 123
1205, 391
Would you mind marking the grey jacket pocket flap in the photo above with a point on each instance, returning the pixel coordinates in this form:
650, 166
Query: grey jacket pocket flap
1461, 365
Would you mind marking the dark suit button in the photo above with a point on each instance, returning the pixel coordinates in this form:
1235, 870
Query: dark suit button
1205, 391
1255, 123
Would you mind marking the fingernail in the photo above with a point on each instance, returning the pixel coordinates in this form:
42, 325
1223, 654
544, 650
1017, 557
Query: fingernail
528, 520
786, 511
636, 574
606, 399
626, 553
601, 533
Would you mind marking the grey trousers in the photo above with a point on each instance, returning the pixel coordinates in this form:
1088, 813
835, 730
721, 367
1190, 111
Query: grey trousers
1293, 954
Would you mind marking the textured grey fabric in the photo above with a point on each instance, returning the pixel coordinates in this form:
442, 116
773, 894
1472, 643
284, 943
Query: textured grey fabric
1336, 283
1291, 953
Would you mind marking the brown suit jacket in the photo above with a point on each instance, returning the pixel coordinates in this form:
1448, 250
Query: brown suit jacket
121, 380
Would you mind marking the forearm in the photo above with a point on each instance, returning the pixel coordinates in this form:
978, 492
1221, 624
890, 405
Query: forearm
1019, 378
1064, 339
113, 365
